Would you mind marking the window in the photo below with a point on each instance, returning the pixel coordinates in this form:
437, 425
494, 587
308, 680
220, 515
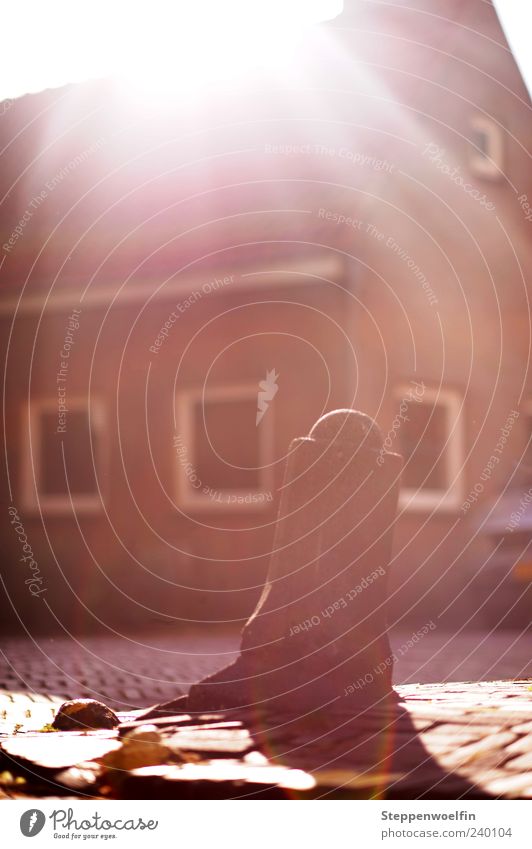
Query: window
62, 463
223, 458
429, 436
486, 149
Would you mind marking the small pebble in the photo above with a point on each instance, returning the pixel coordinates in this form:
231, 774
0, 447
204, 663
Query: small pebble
82, 714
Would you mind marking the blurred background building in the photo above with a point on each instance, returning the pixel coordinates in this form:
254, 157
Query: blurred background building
355, 234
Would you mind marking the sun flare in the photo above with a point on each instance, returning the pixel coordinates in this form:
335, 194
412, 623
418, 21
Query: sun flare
159, 46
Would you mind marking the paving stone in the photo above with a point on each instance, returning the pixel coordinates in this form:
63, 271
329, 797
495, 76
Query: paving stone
216, 741
473, 751
523, 728
59, 750
510, 786
458, 734
216, 779
520, 746
523, 763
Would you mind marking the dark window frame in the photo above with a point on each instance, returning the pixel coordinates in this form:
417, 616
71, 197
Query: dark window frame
34, 498
197, 495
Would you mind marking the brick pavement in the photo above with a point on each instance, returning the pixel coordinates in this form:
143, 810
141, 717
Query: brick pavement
447, 740
130, 672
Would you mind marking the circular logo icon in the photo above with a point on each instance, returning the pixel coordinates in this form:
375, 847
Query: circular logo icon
32, 822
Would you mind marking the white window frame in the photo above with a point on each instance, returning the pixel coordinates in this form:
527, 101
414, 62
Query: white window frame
491, 165
195, 499
452, 497
33, 500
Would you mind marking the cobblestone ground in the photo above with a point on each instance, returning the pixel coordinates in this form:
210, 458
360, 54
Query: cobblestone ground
135, 671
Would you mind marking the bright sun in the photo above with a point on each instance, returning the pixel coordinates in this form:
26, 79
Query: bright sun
159, 45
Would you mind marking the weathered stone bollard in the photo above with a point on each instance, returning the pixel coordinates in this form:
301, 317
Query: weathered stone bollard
318, 637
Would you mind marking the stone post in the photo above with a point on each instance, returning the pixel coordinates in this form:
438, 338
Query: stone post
318, 637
